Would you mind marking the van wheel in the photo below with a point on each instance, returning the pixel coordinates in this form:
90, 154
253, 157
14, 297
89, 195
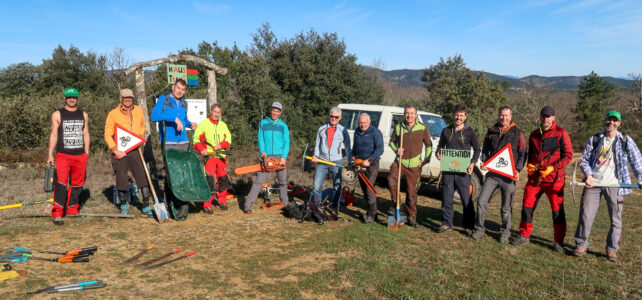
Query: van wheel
476, 183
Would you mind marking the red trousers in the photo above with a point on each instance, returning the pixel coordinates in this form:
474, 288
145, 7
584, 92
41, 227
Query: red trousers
555, 193
66, 194
217, 168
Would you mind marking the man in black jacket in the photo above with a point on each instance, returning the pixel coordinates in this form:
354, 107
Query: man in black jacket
367, 149
458, 136
501, 134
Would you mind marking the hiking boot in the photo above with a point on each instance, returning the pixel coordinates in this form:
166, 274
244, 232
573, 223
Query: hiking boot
579, 252
469, 232
247, 212
444, 228
147, 212
222, 206
503, 239
413, 224
208, 210
477, 235
521, 240
611, 255
367, 219
124, 209
58, 221
558, 247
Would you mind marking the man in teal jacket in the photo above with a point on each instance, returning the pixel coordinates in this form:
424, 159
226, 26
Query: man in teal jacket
172, 109
274, 142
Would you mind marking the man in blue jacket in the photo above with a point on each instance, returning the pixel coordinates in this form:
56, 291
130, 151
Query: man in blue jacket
172, 109
368, 147
274, 142
328, 147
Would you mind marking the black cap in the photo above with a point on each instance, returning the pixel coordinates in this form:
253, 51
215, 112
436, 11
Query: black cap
547, 110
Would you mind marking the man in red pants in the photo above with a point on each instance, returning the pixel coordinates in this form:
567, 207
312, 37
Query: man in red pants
549, 151
70, 138
210, 138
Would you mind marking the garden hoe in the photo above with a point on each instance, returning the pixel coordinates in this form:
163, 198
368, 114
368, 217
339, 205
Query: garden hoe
159, 208
395, 222
575, 183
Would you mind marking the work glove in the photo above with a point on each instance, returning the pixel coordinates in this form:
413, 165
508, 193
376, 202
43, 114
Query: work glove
531, 168
546, 171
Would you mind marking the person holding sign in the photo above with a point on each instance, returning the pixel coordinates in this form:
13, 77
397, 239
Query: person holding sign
131, 118
70, 138
172, 109
503, 137
210, 138
456, 140
416, 139
603, 163
549, 151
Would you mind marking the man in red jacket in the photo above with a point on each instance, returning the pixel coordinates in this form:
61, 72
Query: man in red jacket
549, 151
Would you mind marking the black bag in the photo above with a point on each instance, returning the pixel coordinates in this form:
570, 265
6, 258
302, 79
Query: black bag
50, 175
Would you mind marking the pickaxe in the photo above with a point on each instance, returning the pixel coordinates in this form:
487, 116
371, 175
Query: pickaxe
575, 183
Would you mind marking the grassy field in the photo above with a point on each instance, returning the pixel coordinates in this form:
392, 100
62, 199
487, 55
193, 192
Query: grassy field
264, 255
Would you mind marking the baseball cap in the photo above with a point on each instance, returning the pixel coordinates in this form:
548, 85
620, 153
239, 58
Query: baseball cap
547, 110
126, 93
614, 114
71, 92
277, 105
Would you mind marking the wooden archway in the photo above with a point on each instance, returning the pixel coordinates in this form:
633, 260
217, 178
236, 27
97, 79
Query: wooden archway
212, 69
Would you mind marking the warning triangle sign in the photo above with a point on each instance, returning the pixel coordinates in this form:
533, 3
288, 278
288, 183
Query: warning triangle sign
502, 163
126, 140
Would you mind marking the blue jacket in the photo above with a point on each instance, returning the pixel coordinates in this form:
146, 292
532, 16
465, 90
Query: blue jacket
274, 137
368, 144
168, 110
334, 154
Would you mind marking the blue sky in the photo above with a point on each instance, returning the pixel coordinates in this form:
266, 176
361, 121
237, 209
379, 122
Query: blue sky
519, 38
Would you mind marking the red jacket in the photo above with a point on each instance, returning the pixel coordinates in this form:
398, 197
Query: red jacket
550, 148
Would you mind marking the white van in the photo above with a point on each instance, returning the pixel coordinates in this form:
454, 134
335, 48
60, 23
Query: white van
385, 118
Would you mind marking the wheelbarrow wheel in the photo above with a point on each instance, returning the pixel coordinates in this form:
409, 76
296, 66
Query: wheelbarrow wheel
178, 208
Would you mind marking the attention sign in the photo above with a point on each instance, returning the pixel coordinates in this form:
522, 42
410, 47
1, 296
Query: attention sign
176, 71
453, 160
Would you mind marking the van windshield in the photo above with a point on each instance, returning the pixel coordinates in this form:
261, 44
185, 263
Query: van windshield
350, 118
435, 124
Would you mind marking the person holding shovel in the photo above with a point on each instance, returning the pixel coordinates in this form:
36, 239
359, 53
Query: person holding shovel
70, 138
329, 138
274, 142
504, 132
549, 151
172, 109
416, 138
131, 117
458, 136
368, 148
210, 139
604, 162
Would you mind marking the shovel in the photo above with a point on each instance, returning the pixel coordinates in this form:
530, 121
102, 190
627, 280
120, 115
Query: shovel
395, 222
159, 208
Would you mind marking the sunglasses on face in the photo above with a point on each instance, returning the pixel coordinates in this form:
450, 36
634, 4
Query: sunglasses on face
334, 117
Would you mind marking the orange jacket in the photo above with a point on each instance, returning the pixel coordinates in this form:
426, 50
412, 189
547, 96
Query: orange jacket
132, 120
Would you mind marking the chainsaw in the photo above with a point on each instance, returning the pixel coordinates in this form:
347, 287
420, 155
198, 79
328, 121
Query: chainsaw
267, 164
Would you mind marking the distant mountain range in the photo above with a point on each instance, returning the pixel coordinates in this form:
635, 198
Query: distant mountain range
412, 78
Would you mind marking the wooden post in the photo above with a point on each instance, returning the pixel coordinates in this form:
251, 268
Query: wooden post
140, 96
211, 89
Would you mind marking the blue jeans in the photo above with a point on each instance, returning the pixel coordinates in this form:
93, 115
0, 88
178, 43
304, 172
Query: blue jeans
319, 176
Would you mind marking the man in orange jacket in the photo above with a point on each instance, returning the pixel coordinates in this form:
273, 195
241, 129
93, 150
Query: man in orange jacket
130, 117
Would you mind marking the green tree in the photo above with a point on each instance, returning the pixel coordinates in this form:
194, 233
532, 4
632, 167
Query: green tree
594, 97
450, 83
86, 72
19, 79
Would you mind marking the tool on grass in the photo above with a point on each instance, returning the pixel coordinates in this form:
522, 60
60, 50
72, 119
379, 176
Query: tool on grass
395, 222
8, 272
267, 164
160, 209
85, 285
171, 261
18, 257
25, 204
88, 250
575, 183
137, 256
151, 261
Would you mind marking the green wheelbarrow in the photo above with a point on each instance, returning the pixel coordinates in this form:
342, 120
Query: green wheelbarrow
185, 180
